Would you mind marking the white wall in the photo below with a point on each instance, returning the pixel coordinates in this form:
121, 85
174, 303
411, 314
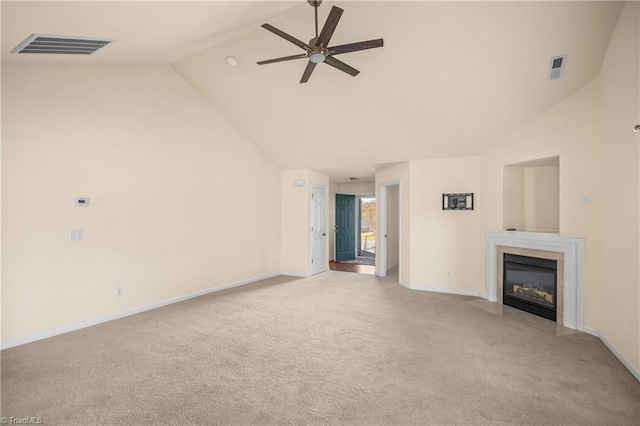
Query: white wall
180, 200
445, 250
619, 87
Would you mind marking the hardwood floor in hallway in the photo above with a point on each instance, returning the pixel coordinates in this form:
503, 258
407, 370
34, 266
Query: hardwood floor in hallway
352, 267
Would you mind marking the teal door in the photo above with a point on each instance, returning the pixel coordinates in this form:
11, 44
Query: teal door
345, 227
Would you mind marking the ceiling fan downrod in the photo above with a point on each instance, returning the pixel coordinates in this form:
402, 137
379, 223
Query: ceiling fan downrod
315, 4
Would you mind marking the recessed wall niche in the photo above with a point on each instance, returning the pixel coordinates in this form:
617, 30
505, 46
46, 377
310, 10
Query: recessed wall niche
531, 199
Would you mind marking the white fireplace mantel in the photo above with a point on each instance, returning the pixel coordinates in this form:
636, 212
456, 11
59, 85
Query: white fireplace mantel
573, 252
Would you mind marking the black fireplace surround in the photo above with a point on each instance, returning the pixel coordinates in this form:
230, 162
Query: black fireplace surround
531, 284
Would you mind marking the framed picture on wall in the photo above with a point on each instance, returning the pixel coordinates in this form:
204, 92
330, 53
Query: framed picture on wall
457, 201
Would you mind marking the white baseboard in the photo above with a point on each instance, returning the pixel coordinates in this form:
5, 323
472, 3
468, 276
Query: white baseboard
295, 274
405, 285
635, 372
591, 331
62, 330
446, 290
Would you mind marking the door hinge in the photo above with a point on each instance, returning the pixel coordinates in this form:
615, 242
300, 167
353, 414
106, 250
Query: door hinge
311, 260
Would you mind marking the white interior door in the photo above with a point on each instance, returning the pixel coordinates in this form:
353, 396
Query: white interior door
381, 236
318, 230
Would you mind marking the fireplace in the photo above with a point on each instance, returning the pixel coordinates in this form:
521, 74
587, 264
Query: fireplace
531, 284
569, 254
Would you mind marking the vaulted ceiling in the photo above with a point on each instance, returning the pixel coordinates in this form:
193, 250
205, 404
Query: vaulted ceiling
452, 79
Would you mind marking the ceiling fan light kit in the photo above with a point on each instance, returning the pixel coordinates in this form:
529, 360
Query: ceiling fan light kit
318, 49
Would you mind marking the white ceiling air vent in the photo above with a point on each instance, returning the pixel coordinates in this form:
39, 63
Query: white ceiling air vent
60, 45
556, 67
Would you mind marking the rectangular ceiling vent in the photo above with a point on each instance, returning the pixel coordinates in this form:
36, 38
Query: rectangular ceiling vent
556, 67
60, 45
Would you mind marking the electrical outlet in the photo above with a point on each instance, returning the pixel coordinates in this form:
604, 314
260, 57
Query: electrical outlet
447, 273
75, 235
586, 199
118, 291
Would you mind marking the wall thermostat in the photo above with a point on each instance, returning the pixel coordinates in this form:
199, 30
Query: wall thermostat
80, 202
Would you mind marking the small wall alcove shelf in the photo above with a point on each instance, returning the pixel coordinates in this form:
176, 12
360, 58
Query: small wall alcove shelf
457, 201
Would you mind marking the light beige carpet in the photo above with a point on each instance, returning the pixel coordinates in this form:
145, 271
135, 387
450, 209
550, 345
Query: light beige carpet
337, 348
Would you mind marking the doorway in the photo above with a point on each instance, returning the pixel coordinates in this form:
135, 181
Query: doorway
389, 235
355, 233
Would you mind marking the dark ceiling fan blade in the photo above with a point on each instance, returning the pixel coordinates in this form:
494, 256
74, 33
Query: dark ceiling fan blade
285, 58
307, 72
329, 26
286, 36
354, 47
341, 66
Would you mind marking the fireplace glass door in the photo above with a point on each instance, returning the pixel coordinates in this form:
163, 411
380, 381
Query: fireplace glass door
530, 284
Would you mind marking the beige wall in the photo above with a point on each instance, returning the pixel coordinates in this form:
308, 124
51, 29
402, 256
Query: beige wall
295, 249
294, 222
393, 226
569, 130
398, 174
180, 201
357, 188
513, 198
531, 197
445, 251
541, 198
619, 86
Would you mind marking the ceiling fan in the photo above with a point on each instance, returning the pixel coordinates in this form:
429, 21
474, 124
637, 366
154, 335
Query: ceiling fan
318, 49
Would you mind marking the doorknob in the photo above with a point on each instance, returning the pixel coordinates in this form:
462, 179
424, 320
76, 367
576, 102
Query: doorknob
324, 234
